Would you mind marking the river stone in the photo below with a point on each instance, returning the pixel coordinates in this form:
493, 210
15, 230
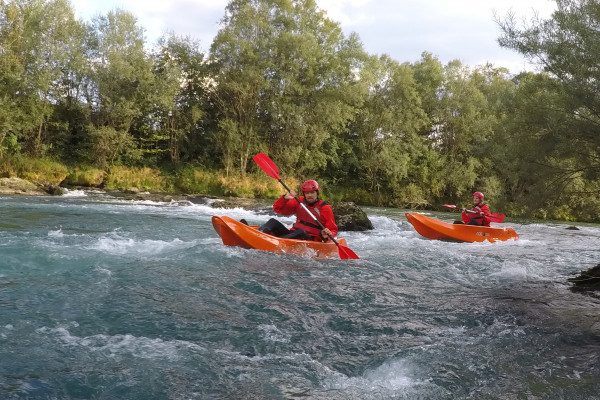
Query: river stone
587, 280
54, 190
20, 186
350, 217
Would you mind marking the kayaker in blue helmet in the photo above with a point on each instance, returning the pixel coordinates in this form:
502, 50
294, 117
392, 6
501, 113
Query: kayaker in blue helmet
476, 215
305, 227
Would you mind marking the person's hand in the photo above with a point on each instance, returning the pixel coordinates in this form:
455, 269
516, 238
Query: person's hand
326, 233
289, 195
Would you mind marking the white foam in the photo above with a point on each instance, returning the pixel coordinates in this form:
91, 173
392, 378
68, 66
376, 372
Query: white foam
74, 193
273, 334
390, 379
120, 345
56, 234
120, 245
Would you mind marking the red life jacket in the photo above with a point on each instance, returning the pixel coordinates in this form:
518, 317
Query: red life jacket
306, 222
480, 218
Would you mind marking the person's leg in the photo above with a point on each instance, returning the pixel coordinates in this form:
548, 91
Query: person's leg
474, 222
299, 234
274, 227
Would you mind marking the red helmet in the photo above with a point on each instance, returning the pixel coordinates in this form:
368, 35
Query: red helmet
310, 185
478, 194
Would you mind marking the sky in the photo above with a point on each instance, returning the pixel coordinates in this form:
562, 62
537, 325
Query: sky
449, 29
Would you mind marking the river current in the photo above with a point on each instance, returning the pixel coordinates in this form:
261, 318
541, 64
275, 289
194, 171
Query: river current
104, 298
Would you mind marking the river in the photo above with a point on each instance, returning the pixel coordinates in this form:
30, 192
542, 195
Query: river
104, 298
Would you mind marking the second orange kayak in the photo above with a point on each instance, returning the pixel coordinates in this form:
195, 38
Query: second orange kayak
235, 233
433, 228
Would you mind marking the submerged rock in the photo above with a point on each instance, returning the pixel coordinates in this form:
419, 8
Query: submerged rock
587, 280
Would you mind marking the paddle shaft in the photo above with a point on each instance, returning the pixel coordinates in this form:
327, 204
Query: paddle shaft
308, 211
494, 217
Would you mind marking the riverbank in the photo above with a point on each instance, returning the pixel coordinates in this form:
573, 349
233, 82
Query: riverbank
50, 176
350, 217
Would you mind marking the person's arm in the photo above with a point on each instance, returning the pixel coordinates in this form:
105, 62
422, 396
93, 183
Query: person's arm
466, 217
485, 210
328, 221
286, 206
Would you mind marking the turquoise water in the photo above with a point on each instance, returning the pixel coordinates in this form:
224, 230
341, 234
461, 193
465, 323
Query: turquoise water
102, 298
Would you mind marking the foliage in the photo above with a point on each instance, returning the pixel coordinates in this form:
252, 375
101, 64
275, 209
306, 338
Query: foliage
282, 78
40, 170
192, 180
120, 177
564, 113
82, 176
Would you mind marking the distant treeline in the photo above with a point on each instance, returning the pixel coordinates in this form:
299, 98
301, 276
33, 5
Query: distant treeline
283, 79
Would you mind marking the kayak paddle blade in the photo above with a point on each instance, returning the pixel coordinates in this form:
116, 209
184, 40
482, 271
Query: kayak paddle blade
495, 217
346, 253
267, 165
449, 205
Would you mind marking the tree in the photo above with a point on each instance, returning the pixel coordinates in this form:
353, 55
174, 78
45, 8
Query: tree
385, 130
121, 81
567, 48
179, 94
285, 83
35, 47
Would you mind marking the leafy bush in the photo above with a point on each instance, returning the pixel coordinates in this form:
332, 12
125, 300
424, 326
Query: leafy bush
191, 180
358, 196
85, 176
119, 177
40, 170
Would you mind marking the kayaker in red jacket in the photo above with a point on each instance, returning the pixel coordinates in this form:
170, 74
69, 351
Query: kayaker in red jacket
477, 214
305, 227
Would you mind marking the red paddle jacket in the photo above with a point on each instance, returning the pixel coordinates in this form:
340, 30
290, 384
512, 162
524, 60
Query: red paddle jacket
321, 209
467, 216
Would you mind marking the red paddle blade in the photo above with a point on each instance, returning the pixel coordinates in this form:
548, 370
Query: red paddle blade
346, 253
449, 205
267, 165
495, 217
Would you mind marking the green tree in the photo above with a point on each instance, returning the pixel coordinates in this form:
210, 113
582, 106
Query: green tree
119, 90
179, 95
566, 46
385, 131
286, 83
34, 52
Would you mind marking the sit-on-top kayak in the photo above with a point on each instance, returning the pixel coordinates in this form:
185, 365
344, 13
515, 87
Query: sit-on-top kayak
235, 233
432, 228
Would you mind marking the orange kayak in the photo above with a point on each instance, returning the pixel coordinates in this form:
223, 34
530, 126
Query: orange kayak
432, 228
235, 233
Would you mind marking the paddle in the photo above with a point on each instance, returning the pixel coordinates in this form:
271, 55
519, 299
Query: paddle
267, 165
494, 217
